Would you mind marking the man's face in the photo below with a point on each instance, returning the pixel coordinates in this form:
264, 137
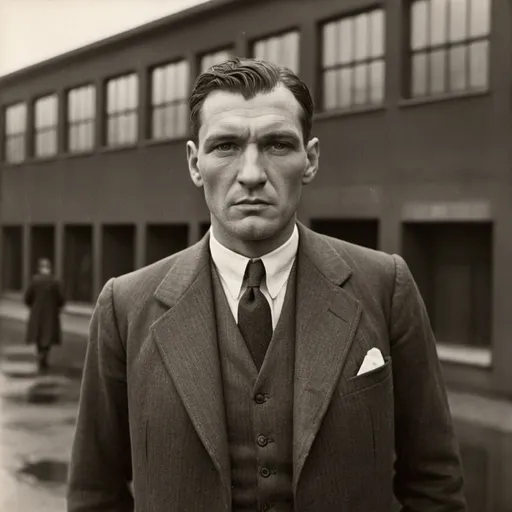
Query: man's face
252, 162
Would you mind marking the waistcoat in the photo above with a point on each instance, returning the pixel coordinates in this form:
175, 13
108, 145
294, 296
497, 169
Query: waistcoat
259, 407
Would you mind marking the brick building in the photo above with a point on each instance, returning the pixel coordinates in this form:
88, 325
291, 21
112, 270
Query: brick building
413, 112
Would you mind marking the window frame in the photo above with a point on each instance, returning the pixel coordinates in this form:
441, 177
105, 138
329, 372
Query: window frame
230, 49
352, 63
38, 131
125, 112
446, 46
278, 33
7, 137
70, 123
165, 104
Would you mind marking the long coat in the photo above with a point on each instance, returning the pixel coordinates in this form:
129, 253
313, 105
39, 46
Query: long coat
45, 299
152, 414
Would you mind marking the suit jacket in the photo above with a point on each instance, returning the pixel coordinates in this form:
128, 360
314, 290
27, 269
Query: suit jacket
152, 411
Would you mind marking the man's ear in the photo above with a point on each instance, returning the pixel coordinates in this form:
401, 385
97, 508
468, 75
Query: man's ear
313, 155
193, 167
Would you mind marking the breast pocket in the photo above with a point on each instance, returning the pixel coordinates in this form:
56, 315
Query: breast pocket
356, 383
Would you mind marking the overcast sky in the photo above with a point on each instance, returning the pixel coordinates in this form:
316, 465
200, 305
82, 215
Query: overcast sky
35, 30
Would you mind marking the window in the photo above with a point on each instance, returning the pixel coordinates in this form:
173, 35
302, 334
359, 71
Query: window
449, 42
353, 66
122, 104
45, 123
282, 50
15, 128
81, 115
169, 100
209, 59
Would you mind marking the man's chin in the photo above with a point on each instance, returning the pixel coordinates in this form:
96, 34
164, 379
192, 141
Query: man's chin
255, 228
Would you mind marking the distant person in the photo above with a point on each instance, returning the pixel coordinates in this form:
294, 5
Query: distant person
267, 367
45, 299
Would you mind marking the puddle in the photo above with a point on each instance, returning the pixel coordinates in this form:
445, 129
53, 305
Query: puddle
46, 471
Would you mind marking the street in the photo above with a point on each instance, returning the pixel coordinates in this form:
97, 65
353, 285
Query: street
37, 417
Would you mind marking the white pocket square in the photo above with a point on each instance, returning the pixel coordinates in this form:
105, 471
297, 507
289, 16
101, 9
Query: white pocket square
372, 360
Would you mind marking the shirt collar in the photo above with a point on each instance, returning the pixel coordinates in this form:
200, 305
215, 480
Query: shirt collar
278, 264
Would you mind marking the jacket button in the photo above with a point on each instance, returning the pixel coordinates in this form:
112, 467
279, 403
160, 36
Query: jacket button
262, 441
265, 472
260, 398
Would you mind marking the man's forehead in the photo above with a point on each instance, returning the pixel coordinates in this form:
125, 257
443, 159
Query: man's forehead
225, 110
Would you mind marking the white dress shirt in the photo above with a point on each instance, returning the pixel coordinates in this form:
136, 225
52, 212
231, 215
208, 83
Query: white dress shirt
278, 265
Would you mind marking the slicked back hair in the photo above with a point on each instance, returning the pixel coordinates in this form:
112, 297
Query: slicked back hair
249, 77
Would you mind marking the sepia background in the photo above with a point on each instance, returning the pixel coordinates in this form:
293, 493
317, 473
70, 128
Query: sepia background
414, 116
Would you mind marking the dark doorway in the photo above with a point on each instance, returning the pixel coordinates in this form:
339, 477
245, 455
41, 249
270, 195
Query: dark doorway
42, 245
118, 254
363, 232
452, 264
162, 240
78, 263
12, 258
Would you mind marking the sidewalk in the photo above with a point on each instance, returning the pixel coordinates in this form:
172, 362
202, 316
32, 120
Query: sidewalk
68, 357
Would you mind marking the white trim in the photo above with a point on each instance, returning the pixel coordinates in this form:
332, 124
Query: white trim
465, 355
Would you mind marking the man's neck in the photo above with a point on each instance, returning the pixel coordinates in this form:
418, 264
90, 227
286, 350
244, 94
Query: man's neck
253, 248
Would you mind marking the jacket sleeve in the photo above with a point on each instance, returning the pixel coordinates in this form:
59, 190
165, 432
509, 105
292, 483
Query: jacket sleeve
428, 476
100, 469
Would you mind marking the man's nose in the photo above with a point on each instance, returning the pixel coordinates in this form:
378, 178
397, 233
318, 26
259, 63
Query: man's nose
252, 172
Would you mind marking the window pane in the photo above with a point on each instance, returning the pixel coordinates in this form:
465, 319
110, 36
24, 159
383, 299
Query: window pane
273, 50
182, 80
259, 50
458, 19
329, 44
419, 74
290, 50
478, 64
361, 36
458, 68
438, 71
479, 18
111, 131
121, 94
182, 119
360, 84
53, 106
133, 128
438, 21
90, 102
377, 33
345, 89
133, 92
170, 82
377, 81
346, 38
111, 96
329, 93
157, 87
170, 121
419, 17
158, 123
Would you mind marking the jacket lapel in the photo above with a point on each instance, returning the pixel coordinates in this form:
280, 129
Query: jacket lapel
327, 317
187, 341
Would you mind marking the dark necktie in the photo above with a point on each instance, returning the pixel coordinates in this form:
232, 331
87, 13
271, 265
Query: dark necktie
254, 316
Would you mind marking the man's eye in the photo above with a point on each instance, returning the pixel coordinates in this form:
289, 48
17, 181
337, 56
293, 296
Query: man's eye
279, 146
225, 146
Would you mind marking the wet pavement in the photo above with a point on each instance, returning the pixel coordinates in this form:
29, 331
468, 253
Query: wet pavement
37, 422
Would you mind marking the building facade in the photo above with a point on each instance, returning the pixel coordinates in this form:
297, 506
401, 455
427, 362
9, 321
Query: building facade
413, 113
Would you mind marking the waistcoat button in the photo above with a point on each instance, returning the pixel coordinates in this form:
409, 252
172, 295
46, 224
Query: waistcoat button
265, 472
262, 441
260, 398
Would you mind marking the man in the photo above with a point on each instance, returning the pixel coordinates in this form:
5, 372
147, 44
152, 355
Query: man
229, 376
45, 299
